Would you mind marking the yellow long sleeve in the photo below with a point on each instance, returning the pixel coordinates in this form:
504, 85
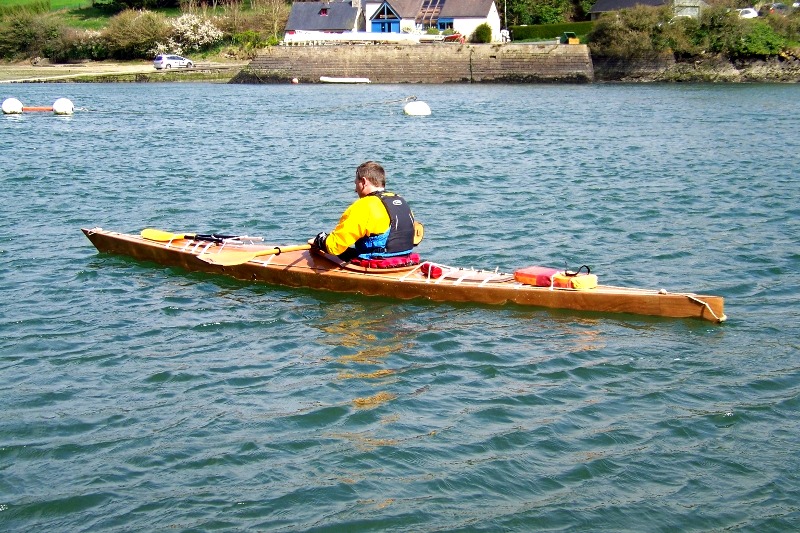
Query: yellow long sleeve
366, 216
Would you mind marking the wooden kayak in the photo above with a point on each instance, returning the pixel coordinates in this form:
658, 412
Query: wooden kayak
296, 266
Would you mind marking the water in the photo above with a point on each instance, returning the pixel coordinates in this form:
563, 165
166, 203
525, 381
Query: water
138, 398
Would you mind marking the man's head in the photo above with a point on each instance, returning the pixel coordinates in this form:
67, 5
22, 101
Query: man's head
370, 177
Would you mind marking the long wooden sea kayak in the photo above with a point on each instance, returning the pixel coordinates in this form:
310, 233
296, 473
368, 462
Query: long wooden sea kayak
295, 266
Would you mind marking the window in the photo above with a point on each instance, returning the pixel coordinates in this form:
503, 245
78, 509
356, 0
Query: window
384, 13
445, 24
323, 12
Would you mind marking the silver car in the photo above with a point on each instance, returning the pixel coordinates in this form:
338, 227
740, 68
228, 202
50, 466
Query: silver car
169, 61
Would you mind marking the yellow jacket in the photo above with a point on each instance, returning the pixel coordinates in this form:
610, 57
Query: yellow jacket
366, 216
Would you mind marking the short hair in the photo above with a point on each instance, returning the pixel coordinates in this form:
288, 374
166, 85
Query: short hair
373, 172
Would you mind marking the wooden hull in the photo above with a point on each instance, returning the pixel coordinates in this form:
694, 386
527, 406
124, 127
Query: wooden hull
306, 269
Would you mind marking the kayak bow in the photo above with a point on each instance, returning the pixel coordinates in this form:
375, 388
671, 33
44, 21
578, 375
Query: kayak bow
300, 267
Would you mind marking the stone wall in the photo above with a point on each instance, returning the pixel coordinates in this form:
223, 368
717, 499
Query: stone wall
426, 63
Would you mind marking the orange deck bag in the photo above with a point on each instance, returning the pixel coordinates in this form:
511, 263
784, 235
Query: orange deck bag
536, 276
552, 277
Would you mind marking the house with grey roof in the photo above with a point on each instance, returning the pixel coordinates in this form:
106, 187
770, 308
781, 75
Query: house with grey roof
394, 16
332, 17
681, 8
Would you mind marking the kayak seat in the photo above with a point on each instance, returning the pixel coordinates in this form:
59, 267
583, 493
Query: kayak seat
387, 262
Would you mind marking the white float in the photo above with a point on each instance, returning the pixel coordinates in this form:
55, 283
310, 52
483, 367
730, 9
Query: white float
12, 106
63, 106
417, 109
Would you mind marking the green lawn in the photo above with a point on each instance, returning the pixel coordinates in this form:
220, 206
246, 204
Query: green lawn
54, 4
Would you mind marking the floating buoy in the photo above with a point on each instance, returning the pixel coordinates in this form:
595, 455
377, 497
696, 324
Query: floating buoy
63, 106
12, 106
417, 109
295, 81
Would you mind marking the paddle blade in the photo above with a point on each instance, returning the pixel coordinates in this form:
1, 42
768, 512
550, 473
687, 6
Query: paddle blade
240, 257
153, 234
419, 232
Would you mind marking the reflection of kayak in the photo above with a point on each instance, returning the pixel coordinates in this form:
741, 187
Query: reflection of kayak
302, 268
328, 79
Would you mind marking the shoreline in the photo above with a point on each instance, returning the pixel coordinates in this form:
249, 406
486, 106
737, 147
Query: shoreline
114, 72
782, 69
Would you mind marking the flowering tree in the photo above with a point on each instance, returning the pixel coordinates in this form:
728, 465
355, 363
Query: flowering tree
192, 33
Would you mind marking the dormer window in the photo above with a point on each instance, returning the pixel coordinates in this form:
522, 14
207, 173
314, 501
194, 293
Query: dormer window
323, 12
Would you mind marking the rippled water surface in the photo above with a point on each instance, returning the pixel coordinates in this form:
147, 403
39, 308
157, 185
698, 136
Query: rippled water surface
138, 398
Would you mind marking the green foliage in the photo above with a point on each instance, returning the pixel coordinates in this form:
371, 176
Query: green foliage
629, 33
583, 7
551, 11
788, 26
482, 34
80, 44
644, 32
32, 8
145, 4
135, 34
527, 12
759, 40
549, 31
432, 31
30, 35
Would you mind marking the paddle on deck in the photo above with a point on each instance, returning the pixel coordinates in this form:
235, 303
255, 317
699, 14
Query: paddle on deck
238, 257
152, 234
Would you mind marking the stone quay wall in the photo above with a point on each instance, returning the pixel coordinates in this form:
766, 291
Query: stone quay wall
423, 63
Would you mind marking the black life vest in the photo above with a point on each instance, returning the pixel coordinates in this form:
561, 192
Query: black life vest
399, 239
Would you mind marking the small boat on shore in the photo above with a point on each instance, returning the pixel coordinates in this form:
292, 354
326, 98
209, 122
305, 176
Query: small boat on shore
249, 259
330, 79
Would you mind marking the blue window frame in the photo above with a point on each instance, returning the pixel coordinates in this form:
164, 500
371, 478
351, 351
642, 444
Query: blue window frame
385, 20
444, 24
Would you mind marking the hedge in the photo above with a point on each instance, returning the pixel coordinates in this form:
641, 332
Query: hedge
548, 31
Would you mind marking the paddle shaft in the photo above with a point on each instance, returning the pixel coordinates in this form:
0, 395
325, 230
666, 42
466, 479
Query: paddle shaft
165, 236
239, 257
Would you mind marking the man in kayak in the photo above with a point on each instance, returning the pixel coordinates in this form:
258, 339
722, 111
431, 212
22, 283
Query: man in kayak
379, 224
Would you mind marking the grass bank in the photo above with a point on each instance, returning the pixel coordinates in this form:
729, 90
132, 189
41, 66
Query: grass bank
69, 30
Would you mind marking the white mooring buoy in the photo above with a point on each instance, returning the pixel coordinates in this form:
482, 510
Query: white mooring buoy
417, 109
12, 106
63, 106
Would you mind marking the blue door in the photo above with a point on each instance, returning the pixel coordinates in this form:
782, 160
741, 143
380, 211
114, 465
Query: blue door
386, 26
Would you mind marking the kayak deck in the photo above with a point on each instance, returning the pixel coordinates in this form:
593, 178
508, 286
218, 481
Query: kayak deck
303, 268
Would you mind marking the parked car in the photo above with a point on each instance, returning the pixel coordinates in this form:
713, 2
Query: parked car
773, 9
747, 13
169, 61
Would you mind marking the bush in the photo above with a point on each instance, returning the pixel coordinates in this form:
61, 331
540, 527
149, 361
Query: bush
551, 11
759, 40
135, 34
644, 32
193, 33
549, 31
81, 44
630, 33
30, 35
482, 34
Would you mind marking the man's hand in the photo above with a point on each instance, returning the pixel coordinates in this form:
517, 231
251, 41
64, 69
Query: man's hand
319, 242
